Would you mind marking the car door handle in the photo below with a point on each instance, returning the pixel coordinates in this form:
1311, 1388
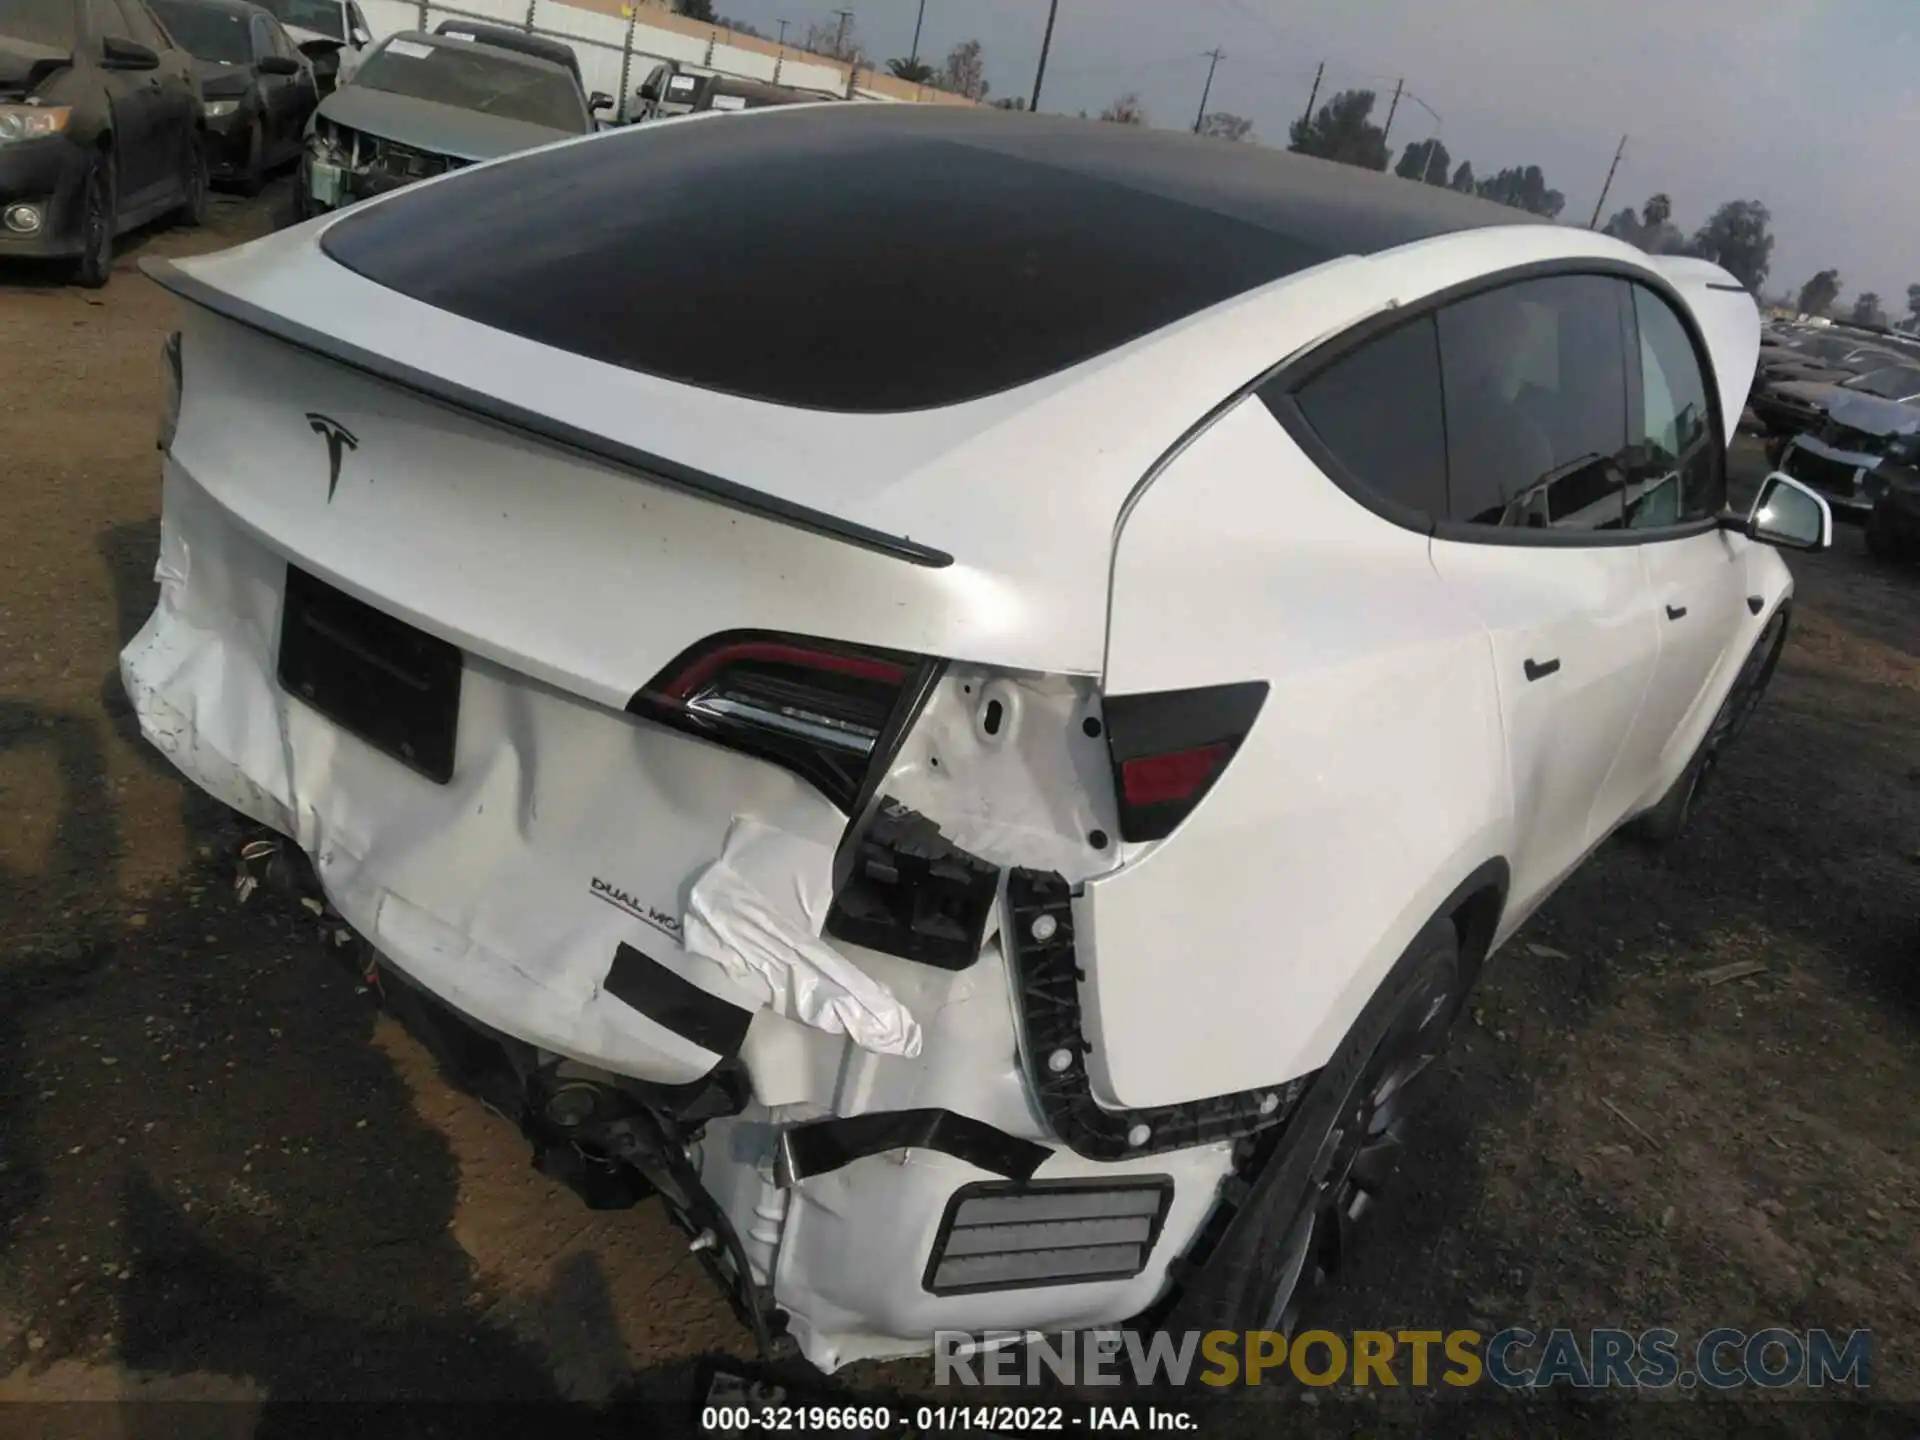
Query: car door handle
1676, 612
1540, 669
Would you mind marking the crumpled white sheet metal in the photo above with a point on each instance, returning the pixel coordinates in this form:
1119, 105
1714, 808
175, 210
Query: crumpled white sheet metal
565, 831
757, 912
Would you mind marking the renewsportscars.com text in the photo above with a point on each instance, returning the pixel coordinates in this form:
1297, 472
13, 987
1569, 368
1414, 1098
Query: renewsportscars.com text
1515, 1358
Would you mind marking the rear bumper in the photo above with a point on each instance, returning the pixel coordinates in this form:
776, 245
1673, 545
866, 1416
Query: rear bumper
507, 895
48, 175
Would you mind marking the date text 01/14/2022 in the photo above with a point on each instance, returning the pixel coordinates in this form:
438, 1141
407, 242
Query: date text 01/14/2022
984, 1420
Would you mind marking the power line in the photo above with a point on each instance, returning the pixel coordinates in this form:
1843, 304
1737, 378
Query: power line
1046, 43
1207, 89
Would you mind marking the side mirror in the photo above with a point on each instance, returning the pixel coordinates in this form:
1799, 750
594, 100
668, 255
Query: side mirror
278, 65
362, 36
1789, 515
118, 54
600, 100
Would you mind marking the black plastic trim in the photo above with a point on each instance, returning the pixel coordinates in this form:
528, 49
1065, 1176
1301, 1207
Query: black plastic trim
676, 1002
912, 892
1295, 372
1755, 604
1047, 976
655, 468
822, 1146
1163, 1183
1728, 289
1162, 721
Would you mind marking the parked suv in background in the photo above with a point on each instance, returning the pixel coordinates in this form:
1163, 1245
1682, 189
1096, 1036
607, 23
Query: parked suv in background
100, 130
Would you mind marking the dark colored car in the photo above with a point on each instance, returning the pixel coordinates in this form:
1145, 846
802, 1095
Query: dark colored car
1893, 526
669, 91
539, 46
259, 89
100, 130
420, 105
1791, 407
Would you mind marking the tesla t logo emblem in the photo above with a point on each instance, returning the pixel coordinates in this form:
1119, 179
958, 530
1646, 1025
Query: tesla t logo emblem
338, 439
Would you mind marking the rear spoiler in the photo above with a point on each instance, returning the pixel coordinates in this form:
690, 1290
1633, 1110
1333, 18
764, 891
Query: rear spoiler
661, 471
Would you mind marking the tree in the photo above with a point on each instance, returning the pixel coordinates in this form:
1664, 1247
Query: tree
1867, 311
1125, 110
727, 22
1463, 178
1343, 131
692, 9
918, 71
1737, 239
1524, 188
1018, 102
1225, 125
1818, 293
1913, 301
1624, 224
1425, 160
965, 73
1652, 228
829, 39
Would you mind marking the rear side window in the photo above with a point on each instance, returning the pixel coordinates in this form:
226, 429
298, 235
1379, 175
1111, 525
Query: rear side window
1378, 411
1675, 472
1535, 380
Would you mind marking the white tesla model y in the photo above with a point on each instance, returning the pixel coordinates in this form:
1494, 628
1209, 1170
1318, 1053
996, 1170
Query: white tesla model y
961, 695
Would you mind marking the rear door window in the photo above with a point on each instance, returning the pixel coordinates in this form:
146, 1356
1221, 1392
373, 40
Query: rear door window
1378, 412
1676, 472
1536, 397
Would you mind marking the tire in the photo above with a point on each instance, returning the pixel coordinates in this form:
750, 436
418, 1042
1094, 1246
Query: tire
1883, 542
1662, 825
1299, 1221
253, 179
192, 211
94, 265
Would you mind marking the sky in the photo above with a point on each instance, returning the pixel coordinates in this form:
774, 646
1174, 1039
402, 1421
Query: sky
1806, 105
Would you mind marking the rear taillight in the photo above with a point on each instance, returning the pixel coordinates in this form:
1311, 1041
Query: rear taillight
1170, 747
817, 707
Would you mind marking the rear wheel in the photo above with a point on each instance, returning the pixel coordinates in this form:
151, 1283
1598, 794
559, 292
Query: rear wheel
1306, 1212
253, 178
94, 264
1664, 822
192, 211
1883, 542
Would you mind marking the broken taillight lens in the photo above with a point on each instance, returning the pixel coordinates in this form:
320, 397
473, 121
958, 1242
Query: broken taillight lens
817, 707
1170, 747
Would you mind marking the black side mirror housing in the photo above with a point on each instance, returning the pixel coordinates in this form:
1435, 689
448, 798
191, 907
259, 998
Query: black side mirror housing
600, 100
118, 54
278, 65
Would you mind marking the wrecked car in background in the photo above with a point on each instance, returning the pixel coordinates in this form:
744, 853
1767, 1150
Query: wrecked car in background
1843, 459
332, 34
420, 105
1786, 408
670, 90
541, 46
995, 832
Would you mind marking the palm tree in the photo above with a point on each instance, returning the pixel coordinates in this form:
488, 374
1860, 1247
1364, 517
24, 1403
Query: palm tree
916, 71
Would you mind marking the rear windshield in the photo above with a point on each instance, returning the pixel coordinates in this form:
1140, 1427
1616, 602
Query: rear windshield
1895, 382
822, 259
38, 22
322, 17
473, 79
206, 33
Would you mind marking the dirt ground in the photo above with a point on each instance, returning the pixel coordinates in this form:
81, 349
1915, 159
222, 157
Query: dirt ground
224, 1175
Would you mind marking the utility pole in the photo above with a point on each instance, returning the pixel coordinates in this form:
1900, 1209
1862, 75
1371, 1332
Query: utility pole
1619, 150
1388, 127
783, 34
840, 35
1207, 89
1046, 43
1314, 94
913, 55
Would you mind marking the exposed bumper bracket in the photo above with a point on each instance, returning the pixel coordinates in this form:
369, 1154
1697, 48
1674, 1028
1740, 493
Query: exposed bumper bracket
1048, 977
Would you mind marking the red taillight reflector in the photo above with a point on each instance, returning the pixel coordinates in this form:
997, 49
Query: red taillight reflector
774, 652
1163, 779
